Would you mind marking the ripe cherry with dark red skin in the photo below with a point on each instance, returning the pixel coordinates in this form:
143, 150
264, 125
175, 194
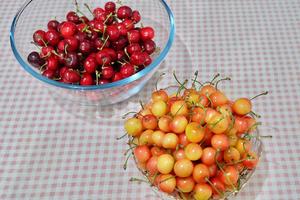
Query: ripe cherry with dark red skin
99, 43
148, 59
113, 32
122, 29
137, 58
46, 51
85, 47
120, 44
71, 76
52, 63
49, 73
93, 35
39, 37
103, 58
120, 55
71, 60
127, 70
99, 13
52, 37
110, 6
62, 71
129, 24
124, 12
118, 76
149, 46
90, 65
52, 25
136, 16
133, 36
72, 44
112, 53
134, 47
84, 19
99, 26
73, 17
80, 36
35, 60
147, 33
108, 72
68, 29
86, 79
103, 81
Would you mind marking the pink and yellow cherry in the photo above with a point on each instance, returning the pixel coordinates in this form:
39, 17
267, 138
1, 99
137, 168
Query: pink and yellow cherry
179, 108
218, 98
218, 186
179, 154
251, 124
243, 146
207, 90
133, 126
183, 141
165, 163
225, 110
166, 183
198, 115
149, 122
208, 156
207, 137
194, 132
193, 151
142, 153
144, 112
200, 173
164, 123
218, 124
159, 108
157, 138
231, 155
203, 101
191, 96
220, 142
160, 95
209, 114
156, 151
229, 175
212, 170
183, 168
202, 191
242, 106
178, 124
170, 141
250, 160
185, 185
240, 124
146, 138
151, 166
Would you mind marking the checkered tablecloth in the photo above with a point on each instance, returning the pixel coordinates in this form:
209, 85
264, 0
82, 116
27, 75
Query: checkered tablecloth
47, 153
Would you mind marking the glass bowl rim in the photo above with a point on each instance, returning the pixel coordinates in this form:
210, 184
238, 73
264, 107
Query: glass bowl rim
122, 82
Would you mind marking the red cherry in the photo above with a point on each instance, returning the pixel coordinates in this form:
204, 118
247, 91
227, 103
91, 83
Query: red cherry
108, 72
103, 81
52, 37
110, 6
136, 16
46, 51
137, 58
61, 46
90, 65
120, 44
39, 37
134, 47
86, 79
133, 36
49, 73
113, 33
124, 12
84, 19
149, 46
118, 76
72, 44
80, 36
85, 47
52, 63
99, 13
122, 29
99, 26
148, 59
62, 71
72, 17
112, 53
127, 70
120, 55
52, 25
147, 33
71, 60
71, 76
68, 29
129, 24
103, 58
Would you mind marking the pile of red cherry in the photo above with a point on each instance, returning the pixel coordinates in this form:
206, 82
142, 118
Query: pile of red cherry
105, 49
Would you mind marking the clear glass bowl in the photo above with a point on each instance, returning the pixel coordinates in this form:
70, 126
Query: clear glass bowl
35, 14
257, 147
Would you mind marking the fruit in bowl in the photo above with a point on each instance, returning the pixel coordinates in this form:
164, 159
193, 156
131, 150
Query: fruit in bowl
98, 54
194, 142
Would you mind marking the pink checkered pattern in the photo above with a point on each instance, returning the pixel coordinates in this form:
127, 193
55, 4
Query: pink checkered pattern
47, 153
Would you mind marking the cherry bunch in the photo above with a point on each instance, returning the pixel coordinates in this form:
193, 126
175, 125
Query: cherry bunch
195, 144
105, 49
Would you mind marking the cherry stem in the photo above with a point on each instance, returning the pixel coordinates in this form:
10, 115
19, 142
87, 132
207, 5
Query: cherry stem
264, 93
126, 114
248, 136
104, 43
126, 53
35, 44
97, 77
43, 41
89, 9
42, 67
77, 8
128, 150
212, 185
196, 76
107, 17
159, 78
126, 161
141, 104
166, 179
121, 137
214, 78
180, 194
133, 179
65, 49
254, 125
119, 2
182, 85
256, 115
223, 79
178, 110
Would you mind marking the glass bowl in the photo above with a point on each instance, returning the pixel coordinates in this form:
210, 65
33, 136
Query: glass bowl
245, 175
35, 14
